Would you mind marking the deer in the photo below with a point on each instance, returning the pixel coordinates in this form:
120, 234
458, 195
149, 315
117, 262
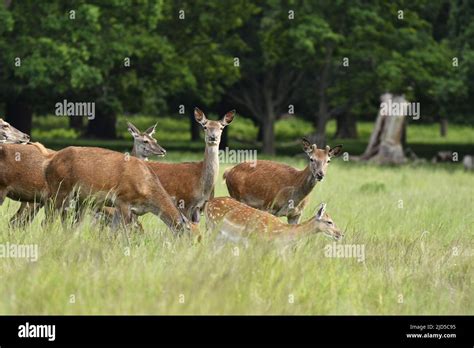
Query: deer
110, 178
279, 188
22, 171
191, 184
236, 221
144, 146
11, 135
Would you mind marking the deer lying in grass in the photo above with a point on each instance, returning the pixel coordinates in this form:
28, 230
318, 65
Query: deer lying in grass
235, 221
110, 178
191, 184
276, 187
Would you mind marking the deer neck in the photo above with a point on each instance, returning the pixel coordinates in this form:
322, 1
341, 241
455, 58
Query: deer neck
305, 182
307, 227
134, 153
210, 169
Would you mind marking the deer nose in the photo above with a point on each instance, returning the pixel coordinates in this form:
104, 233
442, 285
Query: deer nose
320, 175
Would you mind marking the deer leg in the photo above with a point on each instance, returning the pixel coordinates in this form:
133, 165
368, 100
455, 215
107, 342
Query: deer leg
3, 194
294, 219
136, 223
196, 215
122, 216
26, 213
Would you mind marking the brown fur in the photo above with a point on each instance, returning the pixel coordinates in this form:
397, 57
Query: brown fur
276, 187
21, 172
234, 220
191, 184
111, 176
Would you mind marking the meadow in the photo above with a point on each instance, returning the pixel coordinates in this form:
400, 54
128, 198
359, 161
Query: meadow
414, 222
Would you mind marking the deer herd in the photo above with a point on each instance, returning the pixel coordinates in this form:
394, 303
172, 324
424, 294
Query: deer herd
121, 187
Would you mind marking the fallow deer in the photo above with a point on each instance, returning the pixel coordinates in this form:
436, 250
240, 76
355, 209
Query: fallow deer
276, 187
110, 178
191, 184
236, 221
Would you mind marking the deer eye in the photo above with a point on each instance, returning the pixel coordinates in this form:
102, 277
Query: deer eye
328, 161
5, 126
204, 127
311, 159
329, 223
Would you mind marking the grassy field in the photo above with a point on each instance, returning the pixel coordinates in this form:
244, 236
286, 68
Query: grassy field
414, 223
173, 134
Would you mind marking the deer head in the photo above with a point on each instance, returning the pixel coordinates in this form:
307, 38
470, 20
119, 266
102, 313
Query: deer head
9, 134
144, 145
320, 158
213, 129
325, 224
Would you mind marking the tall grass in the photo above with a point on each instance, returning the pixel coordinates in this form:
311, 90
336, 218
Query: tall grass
416, 224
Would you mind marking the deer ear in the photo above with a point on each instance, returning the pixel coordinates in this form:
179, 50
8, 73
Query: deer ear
150, 131
307, 147
133, 130
321, 211
199, 116
335, 151
228, 118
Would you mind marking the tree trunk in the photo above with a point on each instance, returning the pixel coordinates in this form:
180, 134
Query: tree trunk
404, 133
268, 130
260, 132
323, 114
76, 123
346, 126
443, 127
19, 114
103, 126
385, 145
194, 128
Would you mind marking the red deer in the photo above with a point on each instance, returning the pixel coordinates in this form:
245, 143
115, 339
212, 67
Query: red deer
276, 187
110, 178
144, 145
191, 184
235, 221
11, 135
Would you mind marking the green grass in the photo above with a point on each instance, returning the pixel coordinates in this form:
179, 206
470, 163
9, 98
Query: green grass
173, 134
416, 224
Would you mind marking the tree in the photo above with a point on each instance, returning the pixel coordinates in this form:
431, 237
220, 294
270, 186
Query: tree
82, 52
204, 37
385, 144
